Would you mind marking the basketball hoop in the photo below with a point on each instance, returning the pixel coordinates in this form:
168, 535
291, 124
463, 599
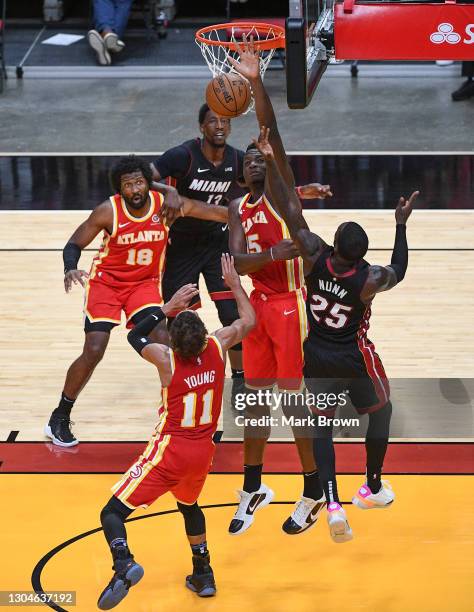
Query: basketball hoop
219, 42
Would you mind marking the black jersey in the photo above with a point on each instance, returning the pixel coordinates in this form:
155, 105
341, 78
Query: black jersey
335, 310
197, 178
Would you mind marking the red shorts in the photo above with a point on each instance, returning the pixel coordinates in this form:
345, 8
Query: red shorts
105, 302
169, 463
273, 351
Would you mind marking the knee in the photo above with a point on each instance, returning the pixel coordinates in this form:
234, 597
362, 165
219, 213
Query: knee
114, 508
194, 521
379, 422
94, 351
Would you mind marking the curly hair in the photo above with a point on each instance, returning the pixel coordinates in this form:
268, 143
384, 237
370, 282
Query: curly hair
187, 334
128, 165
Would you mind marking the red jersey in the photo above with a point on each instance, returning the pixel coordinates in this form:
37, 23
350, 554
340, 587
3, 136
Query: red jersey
192, 401
135, 250
264, 228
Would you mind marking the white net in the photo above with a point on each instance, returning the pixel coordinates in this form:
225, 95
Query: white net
217, 56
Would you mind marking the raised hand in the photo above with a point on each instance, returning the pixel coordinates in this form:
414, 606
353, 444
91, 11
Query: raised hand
181, 298
229, 274
263, 144
248, 64
74, 276
404, 208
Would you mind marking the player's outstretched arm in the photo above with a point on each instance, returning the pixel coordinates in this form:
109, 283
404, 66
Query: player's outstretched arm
249, 67
383, 278
172, 205
234, 333
201, 210
155, 353
245, 262
284, 198
101, 218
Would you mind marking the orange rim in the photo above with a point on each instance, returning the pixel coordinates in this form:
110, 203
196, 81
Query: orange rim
278, 40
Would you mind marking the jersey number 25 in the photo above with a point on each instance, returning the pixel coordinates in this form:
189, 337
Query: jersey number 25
335, 318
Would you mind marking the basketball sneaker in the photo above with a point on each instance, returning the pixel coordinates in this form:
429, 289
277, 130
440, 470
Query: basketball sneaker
127, 574
304, 515
249, 503
366, 500
113, 43
59, 430
338, 525
201, 581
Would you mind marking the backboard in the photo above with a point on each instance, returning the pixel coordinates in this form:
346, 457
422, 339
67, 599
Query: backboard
309, 42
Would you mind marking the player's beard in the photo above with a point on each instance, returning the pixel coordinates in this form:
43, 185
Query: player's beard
135, 203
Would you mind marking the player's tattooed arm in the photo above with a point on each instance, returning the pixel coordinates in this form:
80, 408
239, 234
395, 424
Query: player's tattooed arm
232, 334
101, 218
249, 67
201, 210
284, 198
383, 278
245, 262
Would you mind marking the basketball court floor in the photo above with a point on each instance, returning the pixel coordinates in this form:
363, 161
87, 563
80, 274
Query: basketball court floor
415, 555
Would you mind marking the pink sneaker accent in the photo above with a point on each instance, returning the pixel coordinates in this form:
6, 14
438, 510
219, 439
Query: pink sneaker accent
334, 506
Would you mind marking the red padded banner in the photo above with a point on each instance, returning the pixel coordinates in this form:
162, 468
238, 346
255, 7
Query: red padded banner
392, 31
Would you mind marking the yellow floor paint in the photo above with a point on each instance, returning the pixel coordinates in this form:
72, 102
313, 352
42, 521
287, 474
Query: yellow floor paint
417, 555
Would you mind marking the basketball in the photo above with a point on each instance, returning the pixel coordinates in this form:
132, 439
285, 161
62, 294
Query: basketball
228, 95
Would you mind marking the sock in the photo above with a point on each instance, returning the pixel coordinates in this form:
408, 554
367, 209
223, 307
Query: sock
326, 461
376, 442
120, 553
200, 550
252, 477
64, 408
237, 373
312, 485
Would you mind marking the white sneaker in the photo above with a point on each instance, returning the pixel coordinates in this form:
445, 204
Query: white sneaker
444, 62
249, 503
97, 43
113, 43
338, 525
366, 500
304, 515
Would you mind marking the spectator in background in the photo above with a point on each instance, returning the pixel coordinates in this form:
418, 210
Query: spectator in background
466, 90
110, 20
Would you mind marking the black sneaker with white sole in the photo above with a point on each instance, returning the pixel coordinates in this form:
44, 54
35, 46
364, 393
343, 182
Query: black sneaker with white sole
304, 515
59, 430
249, 503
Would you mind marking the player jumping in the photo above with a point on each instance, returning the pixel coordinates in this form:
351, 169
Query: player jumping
179, 455
273, 351
341, 286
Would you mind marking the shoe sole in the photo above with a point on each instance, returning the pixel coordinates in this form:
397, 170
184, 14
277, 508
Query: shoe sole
56, 441
112, 597
207, 592
360, 504
339, 531
249, 522
96, 42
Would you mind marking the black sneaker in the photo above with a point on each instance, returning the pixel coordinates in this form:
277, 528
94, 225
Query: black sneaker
127, 574
202, 580
59, 430
465, 92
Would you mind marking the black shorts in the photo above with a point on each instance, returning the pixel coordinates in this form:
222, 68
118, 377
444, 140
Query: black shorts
354, 368
188, 256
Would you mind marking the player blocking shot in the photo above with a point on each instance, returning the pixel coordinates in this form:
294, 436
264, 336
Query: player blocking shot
273, 351
125, 275
179, 454
339, 357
